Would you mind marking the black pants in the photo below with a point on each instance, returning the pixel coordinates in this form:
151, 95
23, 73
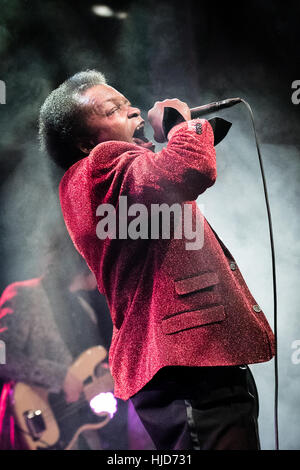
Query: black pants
203, 408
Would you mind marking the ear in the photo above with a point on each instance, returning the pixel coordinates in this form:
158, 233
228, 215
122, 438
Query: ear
86, 147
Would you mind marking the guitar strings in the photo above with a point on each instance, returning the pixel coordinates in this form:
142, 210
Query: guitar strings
71, 407
61, 402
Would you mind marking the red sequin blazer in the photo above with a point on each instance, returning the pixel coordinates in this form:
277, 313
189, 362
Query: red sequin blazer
169, 305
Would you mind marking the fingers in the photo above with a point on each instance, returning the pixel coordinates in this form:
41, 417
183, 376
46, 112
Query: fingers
72, 387
179, 105
155, 115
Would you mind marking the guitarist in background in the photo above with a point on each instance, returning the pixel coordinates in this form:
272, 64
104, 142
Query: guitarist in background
46, 323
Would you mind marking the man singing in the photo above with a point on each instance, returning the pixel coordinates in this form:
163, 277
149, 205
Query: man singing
185, 323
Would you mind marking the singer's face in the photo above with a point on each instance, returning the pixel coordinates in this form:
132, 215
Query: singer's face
112, 117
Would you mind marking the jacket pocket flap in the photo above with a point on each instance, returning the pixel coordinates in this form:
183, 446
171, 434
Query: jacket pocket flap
192, 319
192, 284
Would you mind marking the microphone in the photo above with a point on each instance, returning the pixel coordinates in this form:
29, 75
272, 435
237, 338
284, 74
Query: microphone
220, 127
215, 106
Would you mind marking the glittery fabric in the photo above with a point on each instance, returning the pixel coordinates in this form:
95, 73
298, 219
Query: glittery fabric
169, 305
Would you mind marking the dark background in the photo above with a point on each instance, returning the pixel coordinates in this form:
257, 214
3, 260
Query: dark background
199, 52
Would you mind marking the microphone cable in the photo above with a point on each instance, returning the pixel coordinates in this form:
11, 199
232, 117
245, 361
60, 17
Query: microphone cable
273, 273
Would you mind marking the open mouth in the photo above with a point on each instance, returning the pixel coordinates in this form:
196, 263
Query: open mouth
139, 137
139, 133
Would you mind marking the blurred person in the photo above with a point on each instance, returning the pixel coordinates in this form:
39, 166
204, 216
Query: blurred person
46, 323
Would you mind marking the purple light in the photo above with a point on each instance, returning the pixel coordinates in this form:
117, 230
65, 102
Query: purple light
104, 402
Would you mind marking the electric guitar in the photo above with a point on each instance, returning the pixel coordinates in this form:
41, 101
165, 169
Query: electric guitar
47, 421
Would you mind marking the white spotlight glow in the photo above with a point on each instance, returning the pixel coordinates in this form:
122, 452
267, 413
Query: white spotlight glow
102, 10
104, 402
121, 15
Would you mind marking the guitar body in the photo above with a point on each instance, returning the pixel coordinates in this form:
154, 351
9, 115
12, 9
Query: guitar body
47, 421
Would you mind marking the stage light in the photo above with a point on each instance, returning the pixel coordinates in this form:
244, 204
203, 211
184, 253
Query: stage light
107, 12
104, 402
102, 10
121, 15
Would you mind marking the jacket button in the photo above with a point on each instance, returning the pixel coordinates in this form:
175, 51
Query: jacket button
256, 308
198, 128
233, 266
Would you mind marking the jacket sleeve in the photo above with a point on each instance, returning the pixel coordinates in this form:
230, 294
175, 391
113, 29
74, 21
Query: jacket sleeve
185, 168
15, 328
